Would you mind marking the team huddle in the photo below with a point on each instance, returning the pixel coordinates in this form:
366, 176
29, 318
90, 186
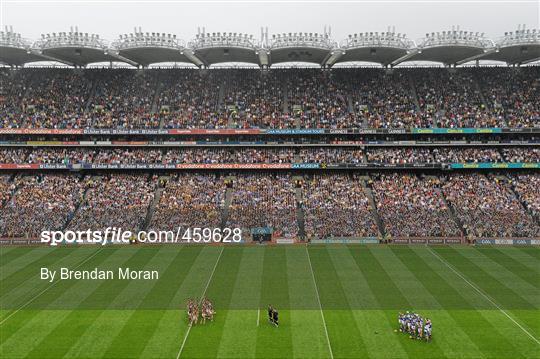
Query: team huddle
206, 310
416, 326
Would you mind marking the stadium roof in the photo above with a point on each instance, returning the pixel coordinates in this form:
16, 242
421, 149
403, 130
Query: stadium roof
150, 48
217, 47
453, 47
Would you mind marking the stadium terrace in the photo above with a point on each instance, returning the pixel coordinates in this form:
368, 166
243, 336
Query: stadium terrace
452, 47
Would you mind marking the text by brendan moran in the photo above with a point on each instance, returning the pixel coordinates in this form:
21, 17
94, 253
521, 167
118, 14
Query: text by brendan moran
98, 274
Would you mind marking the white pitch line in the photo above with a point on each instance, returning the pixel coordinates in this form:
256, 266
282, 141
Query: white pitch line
483, 294
258, 315
320, 306
46, 289
202, 296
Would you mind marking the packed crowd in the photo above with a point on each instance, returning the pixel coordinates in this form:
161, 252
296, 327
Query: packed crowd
384, 100
190, 201
527, 187
410, 155
260, 200
123, 99
256, 99
487, 207
318, 98
521, 154
513, 92
5, 189
116, 200
279, 98
337, 206
44, 98
412, 206
453, 99
39, 203
333, 205
250, 155
190, 99
331, 155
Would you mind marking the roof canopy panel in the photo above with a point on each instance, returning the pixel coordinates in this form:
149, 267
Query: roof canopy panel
147, 48
515, 54
216, 55
381, 55
18, 57
301, 47
220, 47
299, 54
446, 54
377, 47
79, 55
152, 55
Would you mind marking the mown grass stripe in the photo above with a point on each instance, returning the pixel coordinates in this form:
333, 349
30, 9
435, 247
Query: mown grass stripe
423, 302
6, 249
498, 321
376, 330
189, 282
99, 333
275, 342
389, 296
20, 342
32, 291
23, 269
340, 320
473, 342
512, 267
131, 340
501, 289
6, 257
532, 251
308, 327
382, 286
237, 338
199, 339
483, 293
79, 318
110, 299
526, 260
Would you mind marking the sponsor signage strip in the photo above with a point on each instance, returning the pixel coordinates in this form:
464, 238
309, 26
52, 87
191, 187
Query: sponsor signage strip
9, 166
227, 131
508, 242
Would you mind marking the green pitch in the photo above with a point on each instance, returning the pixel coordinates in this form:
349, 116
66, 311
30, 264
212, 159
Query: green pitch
334, 301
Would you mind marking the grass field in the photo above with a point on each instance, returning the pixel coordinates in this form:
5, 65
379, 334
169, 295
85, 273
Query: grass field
334, 301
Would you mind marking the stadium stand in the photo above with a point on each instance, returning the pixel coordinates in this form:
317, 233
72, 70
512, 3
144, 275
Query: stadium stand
410, 206
260, 201
411, 184
190, 201
116, 200
279, 98
274, 155
487, 207
40, 203
526, 187
190, 100
337, 206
